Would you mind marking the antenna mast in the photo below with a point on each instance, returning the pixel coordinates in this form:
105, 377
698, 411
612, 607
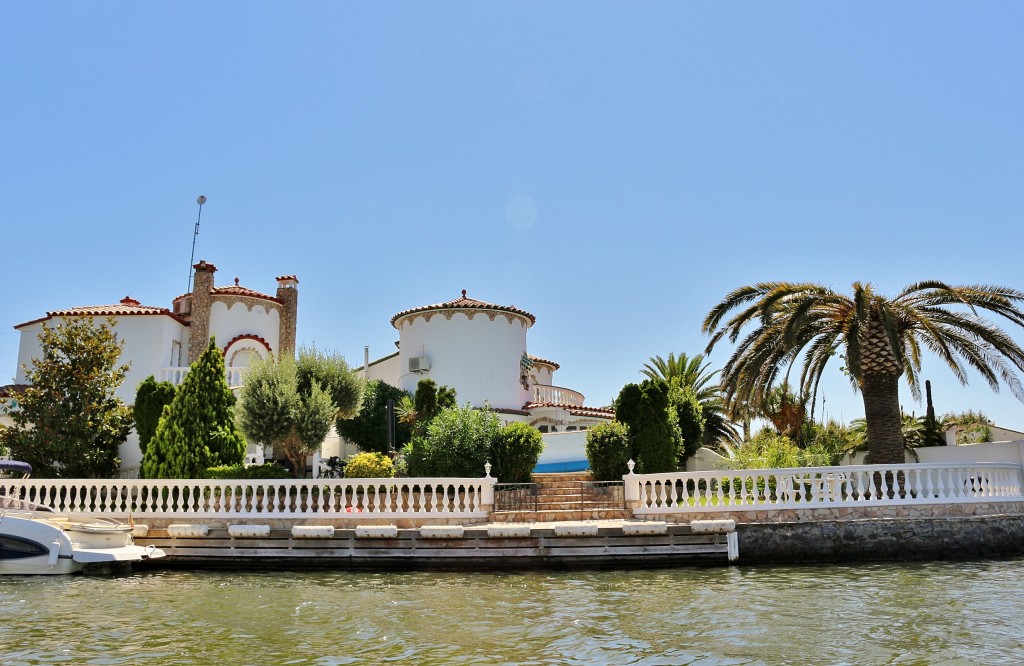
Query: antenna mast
201, 200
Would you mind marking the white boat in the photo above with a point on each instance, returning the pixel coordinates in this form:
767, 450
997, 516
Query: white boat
36, 540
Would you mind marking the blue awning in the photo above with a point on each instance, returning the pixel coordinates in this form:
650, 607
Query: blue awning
15, 466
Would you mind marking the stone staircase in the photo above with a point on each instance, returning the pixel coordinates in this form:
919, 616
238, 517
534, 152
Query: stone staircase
561, 496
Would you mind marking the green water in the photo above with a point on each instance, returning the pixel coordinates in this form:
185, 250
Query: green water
919, 613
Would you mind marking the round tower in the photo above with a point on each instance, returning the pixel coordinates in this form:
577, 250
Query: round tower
477, 348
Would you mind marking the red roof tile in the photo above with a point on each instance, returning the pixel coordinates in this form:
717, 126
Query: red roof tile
126, 307
465, 303
544, 361
575, 410
236, 290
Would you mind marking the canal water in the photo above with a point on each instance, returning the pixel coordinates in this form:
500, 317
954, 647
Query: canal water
915, 613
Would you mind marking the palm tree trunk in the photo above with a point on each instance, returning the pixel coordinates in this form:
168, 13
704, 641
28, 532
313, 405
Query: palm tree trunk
882, 414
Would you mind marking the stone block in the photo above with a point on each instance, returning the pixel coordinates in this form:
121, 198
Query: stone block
248, 531
187, 530
376, 531
313, 531
441, 531
713, 526
140, 530
579, 530
646, 528
508, 531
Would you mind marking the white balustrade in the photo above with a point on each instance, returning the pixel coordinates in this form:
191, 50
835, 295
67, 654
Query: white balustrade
235, 375
557, 395
823, 487
272, 498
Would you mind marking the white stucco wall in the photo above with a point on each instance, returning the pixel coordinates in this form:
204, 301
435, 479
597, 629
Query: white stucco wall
479, 357
148, 343
387, 370
562, 447
228, 323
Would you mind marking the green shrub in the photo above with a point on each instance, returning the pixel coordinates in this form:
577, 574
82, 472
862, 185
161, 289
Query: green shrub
456, 444
514, 452
369, 465
368, 429
654, 436
149, 406
265, 471
608, 451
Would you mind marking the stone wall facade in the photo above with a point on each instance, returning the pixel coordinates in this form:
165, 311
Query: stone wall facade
889, 539
288, 294
202, 299
762, 516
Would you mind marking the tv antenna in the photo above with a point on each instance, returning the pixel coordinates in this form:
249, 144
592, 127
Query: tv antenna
200, 200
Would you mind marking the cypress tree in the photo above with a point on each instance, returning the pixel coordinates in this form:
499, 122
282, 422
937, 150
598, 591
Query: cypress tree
654, 437
197, 430
149, 407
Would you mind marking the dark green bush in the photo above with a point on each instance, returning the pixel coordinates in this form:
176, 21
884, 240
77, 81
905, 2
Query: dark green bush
514, 453
149, 406
368, 429
265, 471
608, 451
457, 443
369, 465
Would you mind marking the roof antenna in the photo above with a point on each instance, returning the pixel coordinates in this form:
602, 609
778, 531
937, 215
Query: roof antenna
201, 200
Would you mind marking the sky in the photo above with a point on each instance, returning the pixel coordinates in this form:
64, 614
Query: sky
613, 168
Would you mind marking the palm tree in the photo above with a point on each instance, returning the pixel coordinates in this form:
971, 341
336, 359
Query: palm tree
881, 338
692, 373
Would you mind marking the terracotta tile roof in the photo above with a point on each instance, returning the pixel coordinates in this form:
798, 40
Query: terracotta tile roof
518, 412
238, 290
575, 410
286, 277
544, 361
12, 389
465, 303
127, 306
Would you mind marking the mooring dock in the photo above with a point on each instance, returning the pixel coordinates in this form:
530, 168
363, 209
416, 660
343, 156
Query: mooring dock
589, 544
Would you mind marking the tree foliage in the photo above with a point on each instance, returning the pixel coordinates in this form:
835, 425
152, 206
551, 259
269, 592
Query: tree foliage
690, 418
654, 437
416, 411
150, 400
514, 452
608, 451
289, 404
881, 339
368, 429
197, 430
69, 422
457, 443
369, 465
692, 373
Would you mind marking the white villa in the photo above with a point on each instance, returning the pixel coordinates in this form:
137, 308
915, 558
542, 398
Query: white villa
163, 342
480, 350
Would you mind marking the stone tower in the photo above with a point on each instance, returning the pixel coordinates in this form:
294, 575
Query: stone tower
288, 294
202, 299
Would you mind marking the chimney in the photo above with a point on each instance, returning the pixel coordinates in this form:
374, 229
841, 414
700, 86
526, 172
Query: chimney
288, 294
202, 299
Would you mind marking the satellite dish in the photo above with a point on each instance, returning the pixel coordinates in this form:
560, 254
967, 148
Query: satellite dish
201, 200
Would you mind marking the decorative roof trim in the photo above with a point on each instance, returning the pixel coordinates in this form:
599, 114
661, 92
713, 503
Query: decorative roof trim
244, 292
575, 410
247, 336
469, 307
517, 412
543, 361
117, 310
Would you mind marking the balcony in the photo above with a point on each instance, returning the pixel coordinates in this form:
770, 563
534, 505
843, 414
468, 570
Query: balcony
557, 395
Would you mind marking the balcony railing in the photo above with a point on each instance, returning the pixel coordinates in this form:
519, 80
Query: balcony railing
320, 498
823, 487
557, 395
176, 375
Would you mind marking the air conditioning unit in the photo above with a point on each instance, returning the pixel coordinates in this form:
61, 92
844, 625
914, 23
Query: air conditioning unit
418, 364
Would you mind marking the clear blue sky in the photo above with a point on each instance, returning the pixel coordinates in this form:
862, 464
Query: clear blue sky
615, 169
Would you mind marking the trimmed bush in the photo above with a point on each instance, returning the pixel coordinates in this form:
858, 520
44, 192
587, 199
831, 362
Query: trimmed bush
456, 444
264, 471
514, 453
369, 465
608, 451
654, 436
149, 407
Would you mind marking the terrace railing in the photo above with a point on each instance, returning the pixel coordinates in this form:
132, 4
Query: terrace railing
377, 498
822, 487
557, 395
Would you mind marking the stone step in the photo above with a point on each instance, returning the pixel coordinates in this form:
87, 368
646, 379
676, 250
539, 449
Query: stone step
556, 515
561, 477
